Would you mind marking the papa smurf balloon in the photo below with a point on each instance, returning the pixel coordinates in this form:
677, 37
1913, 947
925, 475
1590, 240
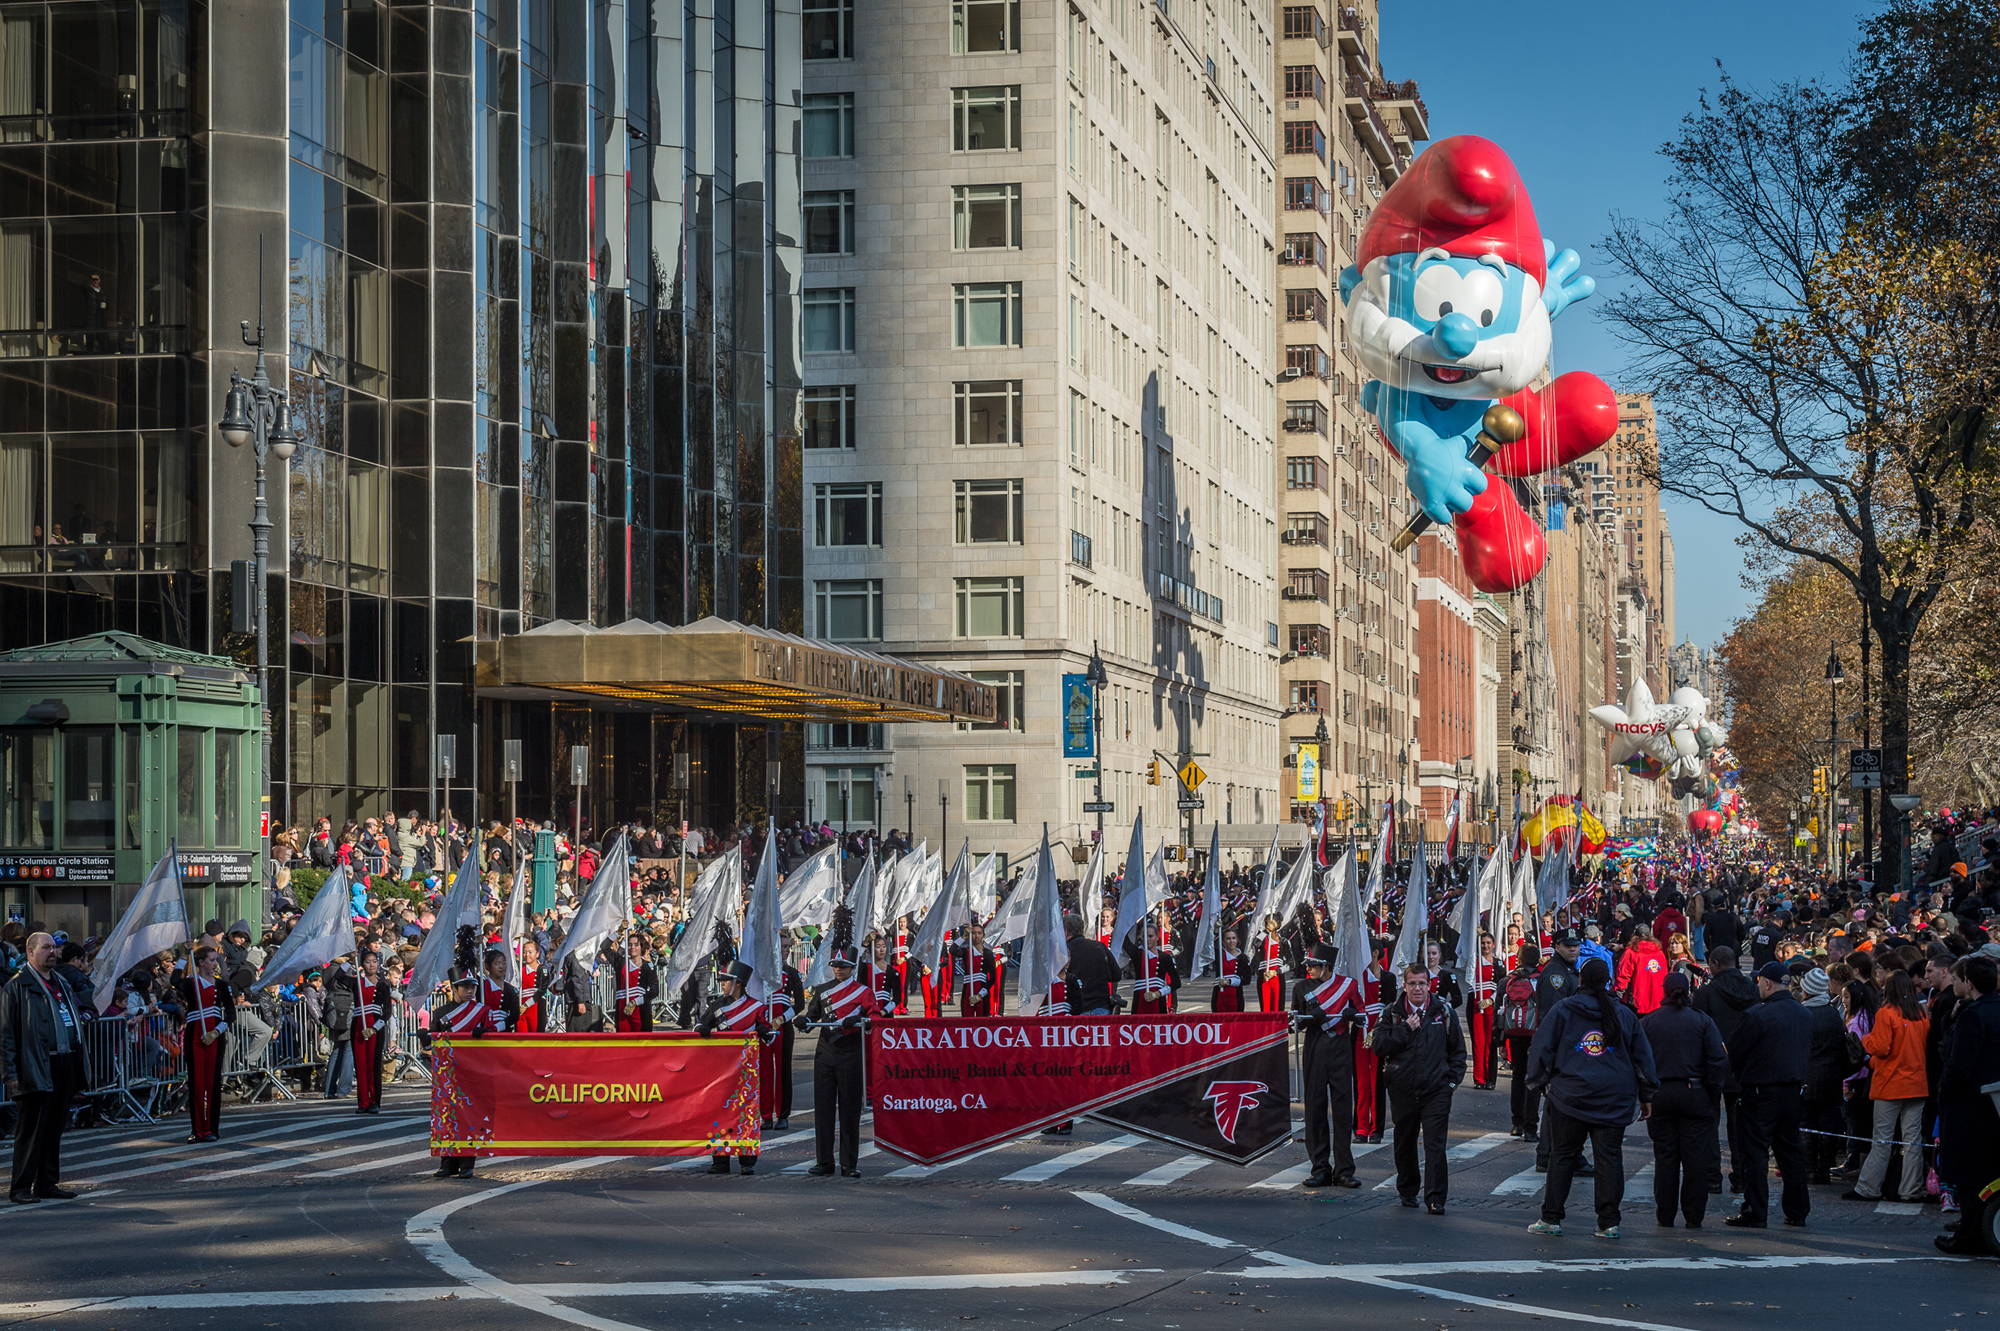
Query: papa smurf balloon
1449, 304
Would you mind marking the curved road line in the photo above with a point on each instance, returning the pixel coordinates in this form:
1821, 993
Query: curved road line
425, 1232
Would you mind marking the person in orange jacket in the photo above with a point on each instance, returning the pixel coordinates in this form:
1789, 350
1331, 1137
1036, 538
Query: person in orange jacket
1897, 1084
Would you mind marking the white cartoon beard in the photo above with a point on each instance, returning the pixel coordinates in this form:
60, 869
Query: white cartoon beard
1395, 350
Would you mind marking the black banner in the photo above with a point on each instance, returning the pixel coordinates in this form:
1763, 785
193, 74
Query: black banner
1236, 1112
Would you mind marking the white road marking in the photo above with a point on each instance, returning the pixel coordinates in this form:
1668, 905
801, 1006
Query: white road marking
1136, 1216
764, 1148
1899, 1208
1512, 1306
867, 1149
302, 1298
1639, 1186
70, 1158
198, 1159
1527, 1183
309, 1157
1546, 1266
1171, 1172
1478, 1146
160, 1134
1044, 1170
367, 1165
925, 1171
1293, 1176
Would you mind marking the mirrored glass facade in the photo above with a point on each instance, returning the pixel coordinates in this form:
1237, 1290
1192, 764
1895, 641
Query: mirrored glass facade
533, 287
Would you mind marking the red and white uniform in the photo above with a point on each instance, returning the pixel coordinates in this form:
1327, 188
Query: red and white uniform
493, 993
1335, 995
531, 1009
1483, 999
975, 991
632, 993
468, 1018
1270, 973
899, 957
1058, 1004
1228, 996
206, 1016
371, 1015
1151, 991
1366, 1067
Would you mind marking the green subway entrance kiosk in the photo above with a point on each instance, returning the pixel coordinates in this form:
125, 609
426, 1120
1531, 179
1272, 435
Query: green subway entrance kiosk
112, 747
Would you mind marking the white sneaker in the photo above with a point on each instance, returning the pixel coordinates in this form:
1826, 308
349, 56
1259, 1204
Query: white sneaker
1608, 1232
1546, 1227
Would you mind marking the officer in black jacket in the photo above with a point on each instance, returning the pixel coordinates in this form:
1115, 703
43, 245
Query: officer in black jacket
1689, 1058
1559, 979
1770, 1054
1423, 1061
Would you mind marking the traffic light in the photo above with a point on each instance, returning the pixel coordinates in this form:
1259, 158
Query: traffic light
1153, 772
1819, 781
1909, 767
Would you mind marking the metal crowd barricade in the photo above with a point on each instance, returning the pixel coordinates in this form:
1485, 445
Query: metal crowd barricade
408, 1050
136, 1065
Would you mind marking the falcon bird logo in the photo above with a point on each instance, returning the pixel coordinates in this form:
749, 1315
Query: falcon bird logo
1231, 1099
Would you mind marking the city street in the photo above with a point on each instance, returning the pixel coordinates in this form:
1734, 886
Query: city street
304, 1211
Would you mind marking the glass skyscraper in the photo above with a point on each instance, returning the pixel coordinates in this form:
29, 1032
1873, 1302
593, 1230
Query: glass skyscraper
532, 284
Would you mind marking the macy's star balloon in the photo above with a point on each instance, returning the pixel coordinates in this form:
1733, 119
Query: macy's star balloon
1449, 305
1643, 728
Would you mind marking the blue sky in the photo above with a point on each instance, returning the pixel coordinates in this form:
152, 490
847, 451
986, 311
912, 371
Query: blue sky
1581, 96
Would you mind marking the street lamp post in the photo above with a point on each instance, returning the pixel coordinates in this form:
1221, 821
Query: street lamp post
1402, 793
1325, 743
1097, 677
1904, 803
257, 414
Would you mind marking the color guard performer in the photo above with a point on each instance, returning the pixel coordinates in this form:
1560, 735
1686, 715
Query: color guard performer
206, 999
371, 1018
1479, 1012
1327, 1007
899, 958
1378, 990
638, 986
469, 1017
734, 1012
882, 976
1228, 995
975, 992
502, 999
1271, 966
1154, 976
532, 987
840, 1009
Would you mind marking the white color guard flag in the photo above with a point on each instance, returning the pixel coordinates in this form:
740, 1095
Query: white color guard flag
1044, 945
760, 947
810, 890
1416, 915
714, 898
433, 964
1139, 888
324, 932
607, 906
155, 921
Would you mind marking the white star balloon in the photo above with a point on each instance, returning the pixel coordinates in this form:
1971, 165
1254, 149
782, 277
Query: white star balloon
1643, 726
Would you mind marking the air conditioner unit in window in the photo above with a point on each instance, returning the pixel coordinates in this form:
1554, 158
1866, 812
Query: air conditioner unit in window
1371, 180
1340, 450
1290, 372
1292, 104
1374, 529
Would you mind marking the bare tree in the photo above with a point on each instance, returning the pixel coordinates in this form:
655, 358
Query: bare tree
1825, 360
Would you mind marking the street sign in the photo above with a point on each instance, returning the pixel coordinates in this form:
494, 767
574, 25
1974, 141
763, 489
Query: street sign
1098, 806
1190, 802
1865, 769
1086, 774
1192, 776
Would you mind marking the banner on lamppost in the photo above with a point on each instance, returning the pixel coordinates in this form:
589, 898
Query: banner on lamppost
1308, 771
1079, 712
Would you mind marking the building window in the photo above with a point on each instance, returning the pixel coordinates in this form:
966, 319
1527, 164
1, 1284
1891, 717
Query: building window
989, 512
1307, 360
1310, 640
850, 609
829, 124
1302, 194
1305, 529
986, 217
1304, 248
829, 319
988, 607
989, 793
1006, 700
1305, 81
830, 221
1305, 21
1305, 137
844, 735
829, 413
986, 411
1306, 695
985, 25
1305, 474
984, 119
1302, 417
829, 29
1305, 305
858, 808
986, 314
848, 514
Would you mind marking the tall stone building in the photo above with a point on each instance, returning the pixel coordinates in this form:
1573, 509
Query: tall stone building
1350, 604
1041, 407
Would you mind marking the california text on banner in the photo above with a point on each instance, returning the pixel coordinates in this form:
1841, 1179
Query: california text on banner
946, 1088
667, 1093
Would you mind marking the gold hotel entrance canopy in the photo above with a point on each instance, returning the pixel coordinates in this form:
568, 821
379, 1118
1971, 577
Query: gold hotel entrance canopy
726, 669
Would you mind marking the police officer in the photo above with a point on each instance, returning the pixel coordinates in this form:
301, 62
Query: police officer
734, 1012
1327, 1007
1559, 980
1770, 1051
839, 1009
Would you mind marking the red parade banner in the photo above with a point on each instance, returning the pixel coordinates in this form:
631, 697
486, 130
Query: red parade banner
1218, 1083
665, 1093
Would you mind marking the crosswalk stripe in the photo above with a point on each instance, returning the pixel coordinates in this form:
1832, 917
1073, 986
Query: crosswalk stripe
199, 1159
1043, 1170
47, 1202
700, 1161
309, 1157
1299, 1173
925, 1171
71, 1158
384, 1163
1478, 1146
1527, 1183
867, 1149
1171, 1172
1899, 1208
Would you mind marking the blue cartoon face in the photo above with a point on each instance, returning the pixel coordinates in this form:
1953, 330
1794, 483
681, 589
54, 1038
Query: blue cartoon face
1447, 326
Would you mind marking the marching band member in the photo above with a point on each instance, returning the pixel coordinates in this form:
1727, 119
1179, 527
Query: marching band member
1271, 966
899, 958
1328, 1007
1228, 995
531, 990
371, 1018
500, 997
975, 994
734, 1012
1480, 1010
206, 999
638, 986
1154, 977
1378, 990
467, 1016
837, 1074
